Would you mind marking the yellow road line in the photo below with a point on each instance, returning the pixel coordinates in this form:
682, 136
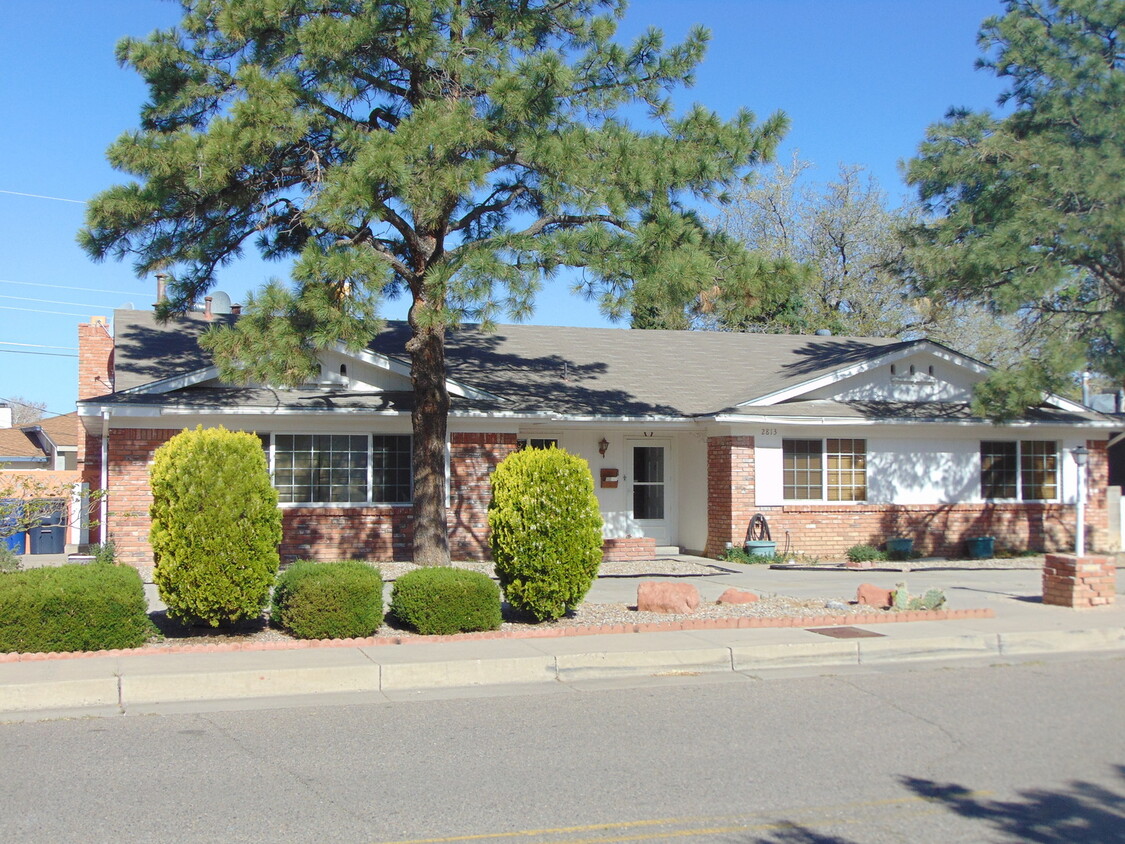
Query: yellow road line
728, 823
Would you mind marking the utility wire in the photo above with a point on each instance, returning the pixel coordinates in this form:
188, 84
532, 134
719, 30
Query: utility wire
44, 354
38, 346
25, 404
52, 301
40, 196
38, 311
58, 286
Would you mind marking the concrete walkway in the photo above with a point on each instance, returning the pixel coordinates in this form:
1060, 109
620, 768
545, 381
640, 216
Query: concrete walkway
153, 681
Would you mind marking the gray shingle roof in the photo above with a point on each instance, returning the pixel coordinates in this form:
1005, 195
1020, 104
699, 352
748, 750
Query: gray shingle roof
580, 371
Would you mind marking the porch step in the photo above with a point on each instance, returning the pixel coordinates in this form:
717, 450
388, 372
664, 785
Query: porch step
667, 550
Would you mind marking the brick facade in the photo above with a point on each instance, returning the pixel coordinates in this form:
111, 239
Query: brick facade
828, 530
382, 532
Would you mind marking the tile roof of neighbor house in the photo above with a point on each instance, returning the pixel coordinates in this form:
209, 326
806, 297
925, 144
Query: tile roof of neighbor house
15, 443
63, 430
580, 371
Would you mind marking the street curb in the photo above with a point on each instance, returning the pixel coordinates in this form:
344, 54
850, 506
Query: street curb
114, 685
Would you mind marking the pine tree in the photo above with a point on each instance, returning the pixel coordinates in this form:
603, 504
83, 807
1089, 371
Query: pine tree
1029, 206
460, 151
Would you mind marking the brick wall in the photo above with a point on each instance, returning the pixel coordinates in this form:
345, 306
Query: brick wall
1079, 582
472, 459
628, 549
95, 378
730, 491
320, 533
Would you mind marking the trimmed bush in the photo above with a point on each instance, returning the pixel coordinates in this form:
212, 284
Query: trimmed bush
215, 526
329, 600
437, 600
546, 531
73, 608
865, 553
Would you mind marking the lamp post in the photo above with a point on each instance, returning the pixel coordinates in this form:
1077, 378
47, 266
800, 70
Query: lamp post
1080, 454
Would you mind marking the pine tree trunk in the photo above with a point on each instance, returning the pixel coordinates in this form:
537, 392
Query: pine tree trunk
429, 419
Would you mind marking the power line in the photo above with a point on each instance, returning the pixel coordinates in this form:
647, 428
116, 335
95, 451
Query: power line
26, 404
38, 311
52, 301
38, 346
57, 286
40, 196
44, 354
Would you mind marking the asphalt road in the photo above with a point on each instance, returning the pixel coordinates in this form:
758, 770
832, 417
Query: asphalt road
1034, 752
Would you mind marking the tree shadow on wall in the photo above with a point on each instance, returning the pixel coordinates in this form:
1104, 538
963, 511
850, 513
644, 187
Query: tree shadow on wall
1083, 811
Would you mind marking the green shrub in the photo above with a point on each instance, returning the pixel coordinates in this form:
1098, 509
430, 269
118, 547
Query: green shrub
865, 553
73, 608
440, 600
329, 600
215, 526
104, 552
546, 531
9, 560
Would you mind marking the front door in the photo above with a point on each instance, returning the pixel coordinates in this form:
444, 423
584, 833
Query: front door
650, 488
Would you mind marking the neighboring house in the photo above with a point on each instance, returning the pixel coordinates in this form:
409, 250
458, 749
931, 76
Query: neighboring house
39, 461
836, 440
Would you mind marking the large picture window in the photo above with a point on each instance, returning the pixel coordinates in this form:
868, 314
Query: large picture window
832, 469
340, 468
1026, 470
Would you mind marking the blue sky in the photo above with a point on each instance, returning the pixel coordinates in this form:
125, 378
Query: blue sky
860, 80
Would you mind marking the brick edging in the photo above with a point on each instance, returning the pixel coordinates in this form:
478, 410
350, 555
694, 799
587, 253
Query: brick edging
743, 622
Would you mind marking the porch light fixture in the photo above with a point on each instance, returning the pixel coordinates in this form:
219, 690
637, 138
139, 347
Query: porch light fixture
1081, 455
603, 446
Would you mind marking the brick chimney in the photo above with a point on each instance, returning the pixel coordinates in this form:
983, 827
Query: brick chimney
95, 358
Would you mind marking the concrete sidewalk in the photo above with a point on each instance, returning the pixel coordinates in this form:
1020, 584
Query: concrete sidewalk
152, 681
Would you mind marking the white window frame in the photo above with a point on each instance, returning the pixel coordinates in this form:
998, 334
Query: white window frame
271, 457
824, 470
1019, 444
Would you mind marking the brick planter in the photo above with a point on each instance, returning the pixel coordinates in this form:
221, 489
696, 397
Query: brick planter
1079, 582
629, 548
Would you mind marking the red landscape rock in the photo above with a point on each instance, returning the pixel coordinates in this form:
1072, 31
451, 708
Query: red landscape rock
873, 596
737, 596
654, 596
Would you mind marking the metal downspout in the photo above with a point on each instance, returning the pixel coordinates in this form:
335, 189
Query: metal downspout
103, 505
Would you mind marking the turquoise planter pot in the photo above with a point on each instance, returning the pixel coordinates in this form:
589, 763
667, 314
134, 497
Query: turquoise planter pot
980, 547
761, 548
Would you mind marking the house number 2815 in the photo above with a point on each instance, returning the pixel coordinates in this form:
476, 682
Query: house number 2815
768, 432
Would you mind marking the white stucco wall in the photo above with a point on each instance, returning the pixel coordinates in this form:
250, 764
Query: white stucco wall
920, 377
911, 465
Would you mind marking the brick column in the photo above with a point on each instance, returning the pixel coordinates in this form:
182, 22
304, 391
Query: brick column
95, 378
730, 491
1097, 498
1079, 582
472, 459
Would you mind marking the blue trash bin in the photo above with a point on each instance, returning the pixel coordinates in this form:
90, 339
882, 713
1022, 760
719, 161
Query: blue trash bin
15, 542
48, 539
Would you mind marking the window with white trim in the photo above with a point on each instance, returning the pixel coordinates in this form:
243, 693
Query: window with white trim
833, 469
340, 468
1019, 470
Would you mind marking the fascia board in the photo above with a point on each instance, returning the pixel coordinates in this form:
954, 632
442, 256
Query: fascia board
884, 359
843, 421
398, 367
173, 383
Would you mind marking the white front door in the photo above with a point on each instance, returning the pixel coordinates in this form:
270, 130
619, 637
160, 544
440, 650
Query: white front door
650, 487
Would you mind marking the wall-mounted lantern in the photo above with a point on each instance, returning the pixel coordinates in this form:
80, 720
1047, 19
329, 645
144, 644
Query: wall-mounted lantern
603, 446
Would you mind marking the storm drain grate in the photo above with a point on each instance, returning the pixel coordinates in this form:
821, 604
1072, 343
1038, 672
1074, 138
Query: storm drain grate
844, 632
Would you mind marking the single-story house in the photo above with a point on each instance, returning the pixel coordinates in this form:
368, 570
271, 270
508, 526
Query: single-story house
837, 441
39, 462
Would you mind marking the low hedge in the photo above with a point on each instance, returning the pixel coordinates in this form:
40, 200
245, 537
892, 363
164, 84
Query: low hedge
73, 608
341, 600
438, 601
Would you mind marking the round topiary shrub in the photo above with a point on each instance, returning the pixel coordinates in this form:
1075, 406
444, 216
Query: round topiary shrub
329, 600
546, 531
215, 526
438, 601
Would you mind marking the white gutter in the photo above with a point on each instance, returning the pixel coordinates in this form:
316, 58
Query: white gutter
103, 505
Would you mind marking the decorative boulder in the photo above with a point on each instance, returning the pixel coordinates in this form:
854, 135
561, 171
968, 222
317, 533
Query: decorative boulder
654, 596
737, 596
873, 596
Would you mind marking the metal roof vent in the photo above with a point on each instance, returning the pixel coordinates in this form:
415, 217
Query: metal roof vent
220, 303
